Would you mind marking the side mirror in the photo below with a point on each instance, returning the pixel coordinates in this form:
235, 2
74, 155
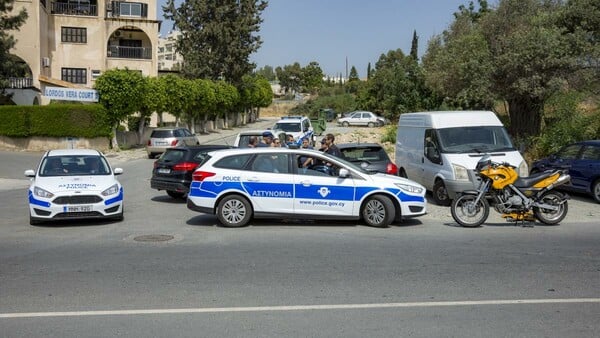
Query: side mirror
344, 173
29, 173
118, 171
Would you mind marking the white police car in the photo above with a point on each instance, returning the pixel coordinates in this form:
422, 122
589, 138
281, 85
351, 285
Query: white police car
297, 126
238, 184
74, 184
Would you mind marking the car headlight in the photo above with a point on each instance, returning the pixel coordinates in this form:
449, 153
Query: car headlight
111, 191
42, 193
409, 188
460, 172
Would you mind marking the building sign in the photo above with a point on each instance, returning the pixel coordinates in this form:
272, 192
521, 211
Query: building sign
71, 94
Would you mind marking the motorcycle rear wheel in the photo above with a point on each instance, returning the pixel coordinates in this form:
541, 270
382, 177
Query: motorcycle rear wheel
468, 213
552, 217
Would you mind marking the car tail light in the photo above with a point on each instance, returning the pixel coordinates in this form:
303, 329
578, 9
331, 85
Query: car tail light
391, 169
155, 164
149, 142
185, 166
200, 175
174, 143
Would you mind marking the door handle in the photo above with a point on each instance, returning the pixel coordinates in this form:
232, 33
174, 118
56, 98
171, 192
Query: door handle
253, 179
306, 183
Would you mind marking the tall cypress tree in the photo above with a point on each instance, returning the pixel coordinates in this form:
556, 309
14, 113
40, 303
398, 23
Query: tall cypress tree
414, 47
218, 37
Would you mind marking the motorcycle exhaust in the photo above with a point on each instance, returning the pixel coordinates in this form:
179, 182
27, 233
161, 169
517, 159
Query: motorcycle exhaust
564, 178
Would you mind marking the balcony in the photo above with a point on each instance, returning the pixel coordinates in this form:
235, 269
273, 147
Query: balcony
129, 52
20, 82
74, 9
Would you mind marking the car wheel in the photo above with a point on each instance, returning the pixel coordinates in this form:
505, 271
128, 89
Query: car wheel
370, 124
440, 194
596, 190
120, 217
175, 194
234, 211
378, 211
151, 155
345, 124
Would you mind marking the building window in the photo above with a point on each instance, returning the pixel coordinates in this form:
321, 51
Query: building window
74, 75
73, 34
130, 9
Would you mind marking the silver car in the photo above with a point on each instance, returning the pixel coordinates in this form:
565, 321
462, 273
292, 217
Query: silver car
361, 118
163, 138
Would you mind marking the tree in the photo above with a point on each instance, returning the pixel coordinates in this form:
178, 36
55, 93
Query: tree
226, 99
176, 91
369, 71
414, 46
7, 41
255, 93
267, 72
120, 91
290, 77
353, 75
312, 77
218, 37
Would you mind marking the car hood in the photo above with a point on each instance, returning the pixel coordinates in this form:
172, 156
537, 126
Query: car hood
389, 180
89, 184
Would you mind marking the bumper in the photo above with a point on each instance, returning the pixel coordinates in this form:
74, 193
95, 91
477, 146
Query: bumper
45, 210
454, 187
178, 186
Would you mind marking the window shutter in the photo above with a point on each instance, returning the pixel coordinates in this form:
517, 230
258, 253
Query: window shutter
144, 10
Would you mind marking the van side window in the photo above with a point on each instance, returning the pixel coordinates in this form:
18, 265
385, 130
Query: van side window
431, 147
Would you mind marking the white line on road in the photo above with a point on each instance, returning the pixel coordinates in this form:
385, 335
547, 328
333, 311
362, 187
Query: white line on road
297, 308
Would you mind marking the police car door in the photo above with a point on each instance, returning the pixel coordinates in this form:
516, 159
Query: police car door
320, 191
269, 183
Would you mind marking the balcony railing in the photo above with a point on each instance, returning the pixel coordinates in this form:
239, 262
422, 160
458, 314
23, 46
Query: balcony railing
129, 52
20, 82
74, 9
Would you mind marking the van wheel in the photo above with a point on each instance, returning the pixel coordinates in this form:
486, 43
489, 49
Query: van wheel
440, 194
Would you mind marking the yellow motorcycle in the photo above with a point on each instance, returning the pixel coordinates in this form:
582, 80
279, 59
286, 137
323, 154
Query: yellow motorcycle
516, 198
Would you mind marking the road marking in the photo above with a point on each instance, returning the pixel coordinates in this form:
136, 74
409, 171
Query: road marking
297, 308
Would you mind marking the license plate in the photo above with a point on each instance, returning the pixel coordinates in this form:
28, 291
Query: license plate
164, 171
79, 208
156, 143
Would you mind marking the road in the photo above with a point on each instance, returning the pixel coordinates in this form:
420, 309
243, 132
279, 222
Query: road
168, 271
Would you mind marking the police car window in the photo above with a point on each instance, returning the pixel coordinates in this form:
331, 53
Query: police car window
233, 162
270, 163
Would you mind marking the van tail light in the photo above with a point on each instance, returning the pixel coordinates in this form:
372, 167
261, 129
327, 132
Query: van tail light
199, 175
185, 166
174, 143
391, 169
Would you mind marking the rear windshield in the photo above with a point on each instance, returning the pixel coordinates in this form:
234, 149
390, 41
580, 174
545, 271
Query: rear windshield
162, 134
365, 154
173, 155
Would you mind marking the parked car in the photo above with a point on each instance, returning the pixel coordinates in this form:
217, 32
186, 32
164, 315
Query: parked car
239, 184
361, 118
168, 137
300, 127
173, 170
582, 159
369, 156
74, 184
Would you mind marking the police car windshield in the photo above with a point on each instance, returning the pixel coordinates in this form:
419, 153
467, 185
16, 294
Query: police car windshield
287, 127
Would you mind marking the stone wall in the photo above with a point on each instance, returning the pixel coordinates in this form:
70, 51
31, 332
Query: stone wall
47, 143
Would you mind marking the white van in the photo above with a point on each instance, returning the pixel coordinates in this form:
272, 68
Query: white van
437, 148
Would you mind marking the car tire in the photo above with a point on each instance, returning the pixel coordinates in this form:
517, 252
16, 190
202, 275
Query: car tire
371, 125
234, 211
33, 221
175, 194
378, 211
151, 155
440, 194
596, 190
345, 124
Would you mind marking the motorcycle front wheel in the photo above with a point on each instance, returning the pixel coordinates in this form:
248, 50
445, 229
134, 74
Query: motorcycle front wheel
469, 213
548, 216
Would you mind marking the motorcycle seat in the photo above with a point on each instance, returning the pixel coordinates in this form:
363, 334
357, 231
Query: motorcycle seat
525, 182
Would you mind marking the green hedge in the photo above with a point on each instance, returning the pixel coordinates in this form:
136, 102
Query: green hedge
60, 120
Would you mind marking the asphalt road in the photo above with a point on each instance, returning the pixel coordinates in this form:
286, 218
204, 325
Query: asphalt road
423, 278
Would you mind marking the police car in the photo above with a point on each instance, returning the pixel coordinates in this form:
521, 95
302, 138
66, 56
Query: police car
239, 184
74, 184
297, 126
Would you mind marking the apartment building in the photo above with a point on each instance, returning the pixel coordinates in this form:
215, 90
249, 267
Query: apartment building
70, 43
168, 58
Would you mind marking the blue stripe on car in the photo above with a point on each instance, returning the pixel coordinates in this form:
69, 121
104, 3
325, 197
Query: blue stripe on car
34, 201
116, 199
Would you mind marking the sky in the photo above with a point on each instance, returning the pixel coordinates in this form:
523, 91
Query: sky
333, 31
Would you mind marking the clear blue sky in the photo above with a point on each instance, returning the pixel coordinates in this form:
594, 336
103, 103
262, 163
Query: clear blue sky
329, 31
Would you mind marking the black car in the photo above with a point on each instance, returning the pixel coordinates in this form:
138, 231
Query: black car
583, 161
173, 169
369, 156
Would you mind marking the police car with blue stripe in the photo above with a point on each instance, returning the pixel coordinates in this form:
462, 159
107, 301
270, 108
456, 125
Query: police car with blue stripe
239, 184
74, 184
299, 127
